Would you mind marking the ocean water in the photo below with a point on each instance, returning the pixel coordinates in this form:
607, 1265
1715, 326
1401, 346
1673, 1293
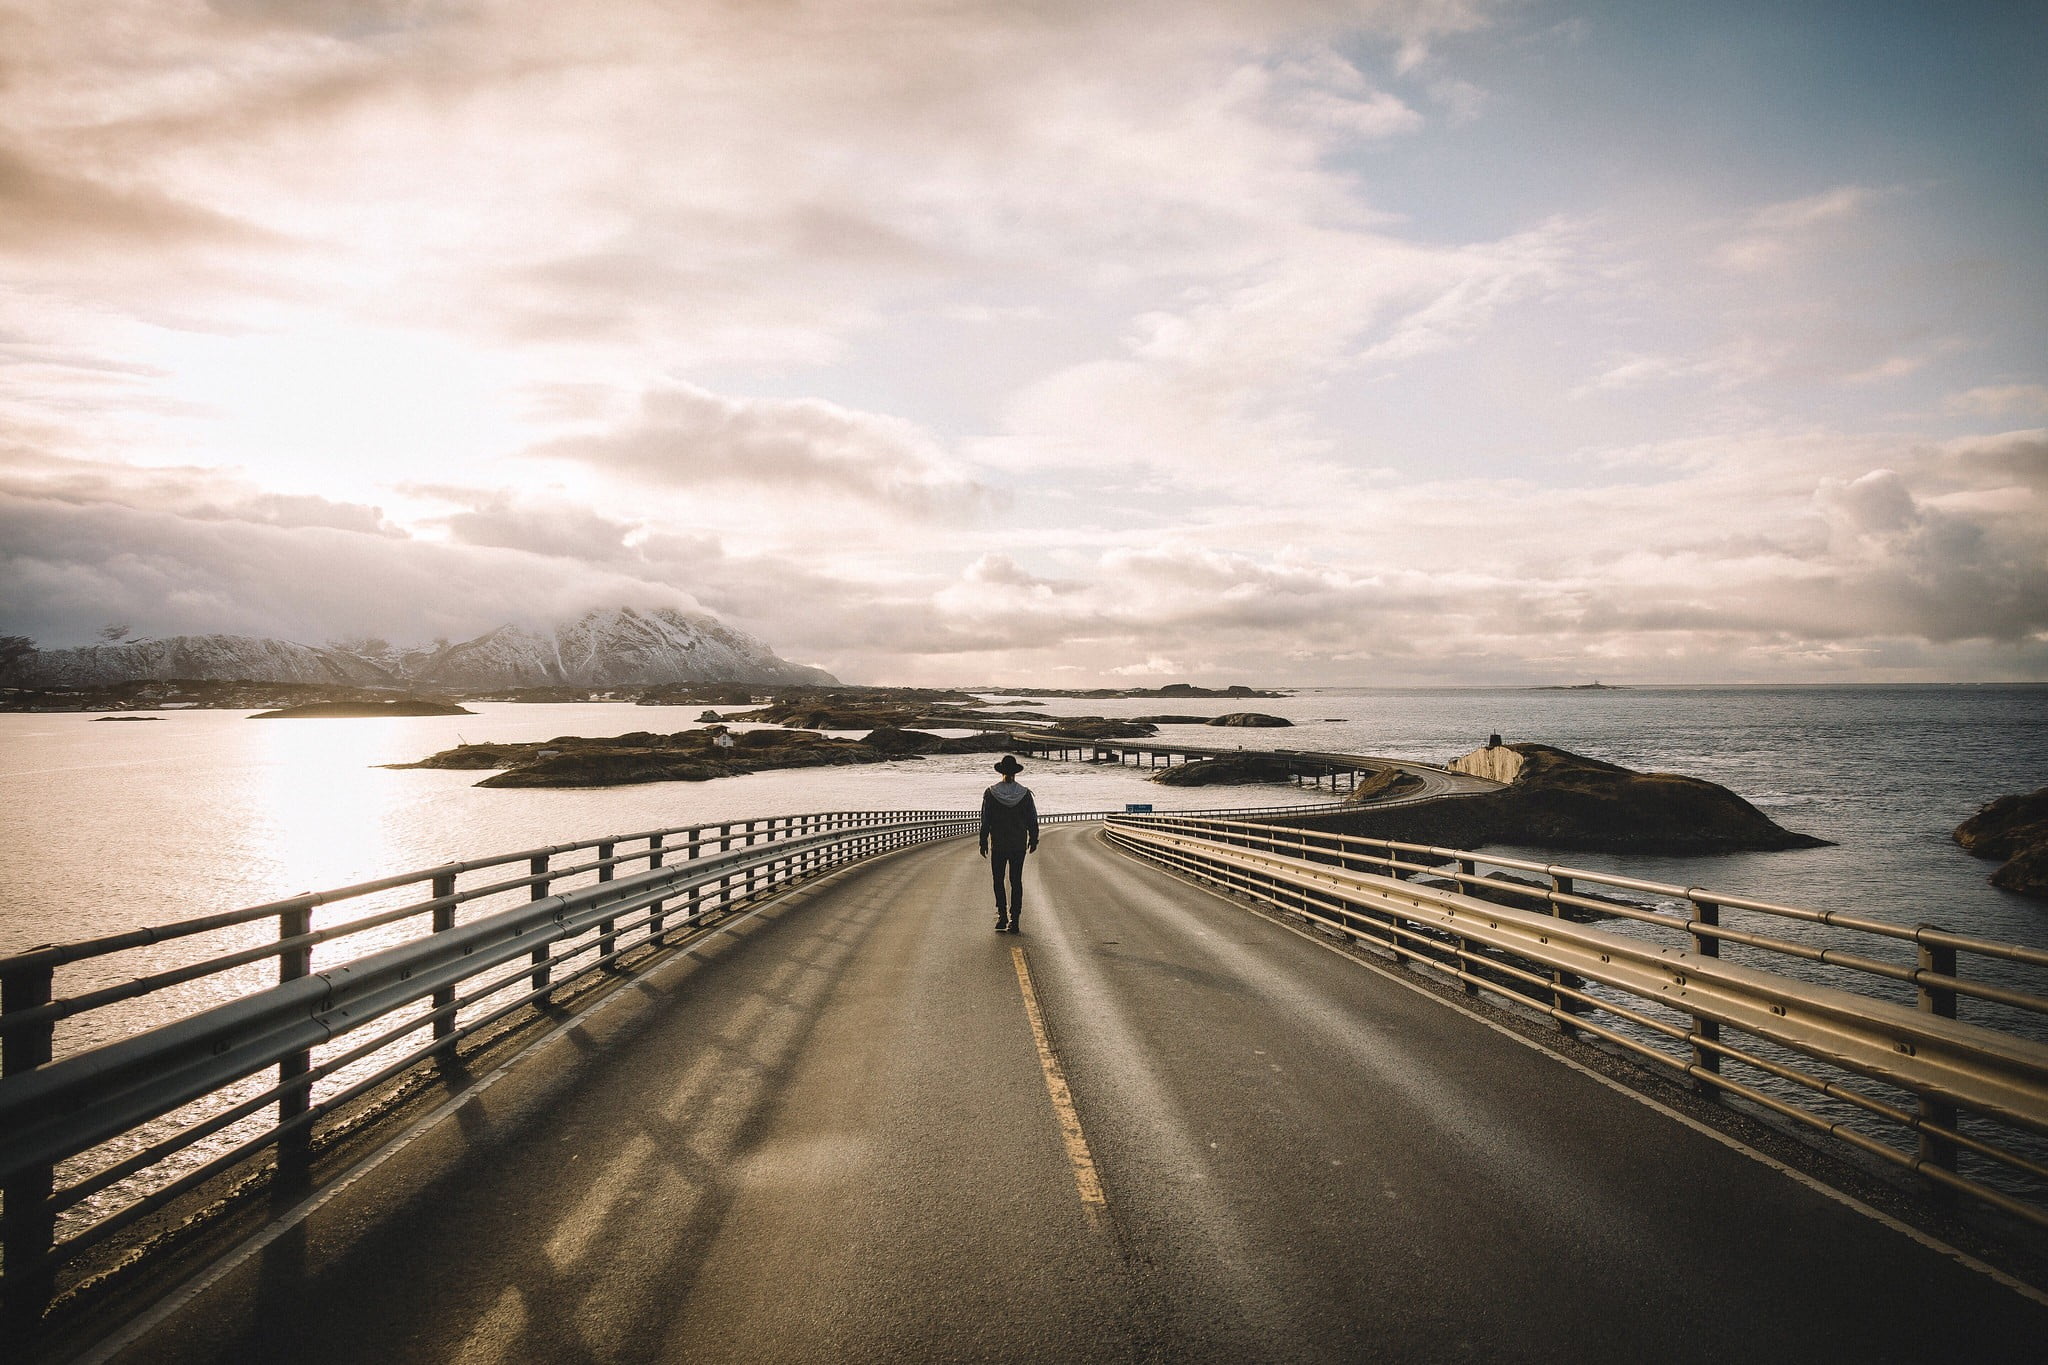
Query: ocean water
1885, 773
108, 826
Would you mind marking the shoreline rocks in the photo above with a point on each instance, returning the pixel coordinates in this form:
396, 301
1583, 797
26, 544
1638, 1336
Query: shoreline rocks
1567, 801
361, 710
1253, 720
686, 756
1232, 770
1119, 693
2015, 830
1255, 769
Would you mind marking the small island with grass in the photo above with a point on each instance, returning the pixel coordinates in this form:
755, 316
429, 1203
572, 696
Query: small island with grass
688, 755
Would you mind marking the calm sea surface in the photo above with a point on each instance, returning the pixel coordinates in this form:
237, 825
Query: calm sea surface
107, 826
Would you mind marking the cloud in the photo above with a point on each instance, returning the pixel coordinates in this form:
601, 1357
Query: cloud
1806, 555
535, 523
688, 437
1999, 400
1218, 391
198, 494
46, 211
1771, 234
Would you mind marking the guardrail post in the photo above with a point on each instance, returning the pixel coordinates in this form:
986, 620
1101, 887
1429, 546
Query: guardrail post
1707, 914
542, 972
1562, 886
28, 1226
654, 857
444, 919
752, 870
696, 834
606, 939
1941, 1003
294, 1149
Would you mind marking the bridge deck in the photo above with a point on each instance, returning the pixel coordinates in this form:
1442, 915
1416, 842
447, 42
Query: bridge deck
826, 1134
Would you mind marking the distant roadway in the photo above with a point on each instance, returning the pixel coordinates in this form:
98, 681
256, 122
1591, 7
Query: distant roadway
1436, 782
831, 1133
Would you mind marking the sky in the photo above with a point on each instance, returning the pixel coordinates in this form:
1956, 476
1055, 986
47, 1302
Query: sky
1309, 342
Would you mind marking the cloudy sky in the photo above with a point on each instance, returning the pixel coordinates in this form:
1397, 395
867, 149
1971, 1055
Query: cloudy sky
1053, 341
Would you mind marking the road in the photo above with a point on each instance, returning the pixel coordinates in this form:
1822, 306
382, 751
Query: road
829, 1134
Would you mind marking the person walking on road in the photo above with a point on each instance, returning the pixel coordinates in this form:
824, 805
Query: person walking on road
1009, 830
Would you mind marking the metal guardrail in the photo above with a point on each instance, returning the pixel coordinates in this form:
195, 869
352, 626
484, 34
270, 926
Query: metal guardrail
90, 1140
94, 1125
1968, 1102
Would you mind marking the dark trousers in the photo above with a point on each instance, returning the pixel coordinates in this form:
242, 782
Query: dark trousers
998, 860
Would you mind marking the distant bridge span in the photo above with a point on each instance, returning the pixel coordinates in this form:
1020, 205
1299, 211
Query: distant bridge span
1312, 768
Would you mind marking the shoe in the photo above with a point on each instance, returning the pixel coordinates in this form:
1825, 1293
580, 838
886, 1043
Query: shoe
1002, 928
1013, 929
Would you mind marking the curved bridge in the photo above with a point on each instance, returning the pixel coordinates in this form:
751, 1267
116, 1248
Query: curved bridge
828, 1115
1314, 768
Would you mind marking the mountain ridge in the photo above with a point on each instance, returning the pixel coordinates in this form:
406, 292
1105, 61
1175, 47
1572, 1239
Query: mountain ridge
614, 647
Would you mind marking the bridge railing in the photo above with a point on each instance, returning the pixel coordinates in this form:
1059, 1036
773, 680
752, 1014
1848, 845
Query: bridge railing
1962, 1103
107, 1116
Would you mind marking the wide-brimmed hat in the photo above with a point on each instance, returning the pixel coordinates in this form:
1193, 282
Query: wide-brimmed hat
1008, 765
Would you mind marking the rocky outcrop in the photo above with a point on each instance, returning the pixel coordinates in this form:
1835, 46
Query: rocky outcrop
861, 708
2015, 829
1496, 762
1253, 769
895, 742
1250, 769
1253, 720
335, 710
1563, 800
1235, 690
686, 756
1099, 727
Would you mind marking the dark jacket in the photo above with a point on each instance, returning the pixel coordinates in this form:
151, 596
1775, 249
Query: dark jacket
1008, 828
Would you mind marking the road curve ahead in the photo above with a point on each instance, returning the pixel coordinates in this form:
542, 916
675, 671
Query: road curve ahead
840, 1132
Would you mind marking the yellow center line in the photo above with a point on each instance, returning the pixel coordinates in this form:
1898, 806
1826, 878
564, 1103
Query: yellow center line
1085, 1181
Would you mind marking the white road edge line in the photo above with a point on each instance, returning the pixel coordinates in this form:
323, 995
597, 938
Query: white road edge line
176, 1300
1928, 1240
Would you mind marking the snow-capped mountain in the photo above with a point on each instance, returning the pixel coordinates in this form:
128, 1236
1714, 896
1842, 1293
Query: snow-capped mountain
621, 647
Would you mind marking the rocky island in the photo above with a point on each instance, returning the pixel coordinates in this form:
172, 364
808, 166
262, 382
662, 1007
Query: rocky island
359, 710
686, 756
1253, 769
1235, 690
1561, 800
2015, 829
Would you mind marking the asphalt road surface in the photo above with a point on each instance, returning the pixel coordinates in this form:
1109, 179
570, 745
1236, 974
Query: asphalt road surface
832, 1134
